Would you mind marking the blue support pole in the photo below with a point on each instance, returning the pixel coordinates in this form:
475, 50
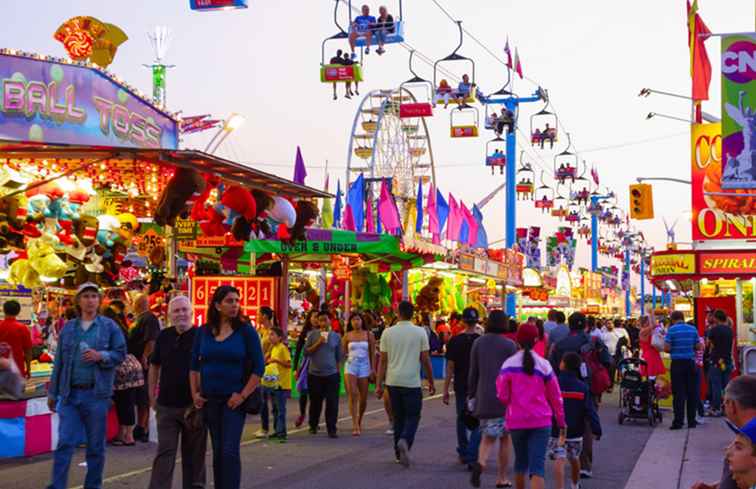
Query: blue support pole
628, 309
510, 211
643, 286
594, 236
653, 297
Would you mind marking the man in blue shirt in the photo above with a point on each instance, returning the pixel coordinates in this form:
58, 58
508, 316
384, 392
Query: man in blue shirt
681, 343
362, 26
90, 347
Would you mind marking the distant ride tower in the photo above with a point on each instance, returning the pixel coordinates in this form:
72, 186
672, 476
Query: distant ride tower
160, 38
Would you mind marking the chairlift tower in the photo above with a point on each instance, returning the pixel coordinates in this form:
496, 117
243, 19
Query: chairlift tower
160, 39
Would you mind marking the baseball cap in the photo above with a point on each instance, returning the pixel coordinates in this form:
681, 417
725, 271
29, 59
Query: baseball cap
748, 430
87, 286
470, 315
527, 333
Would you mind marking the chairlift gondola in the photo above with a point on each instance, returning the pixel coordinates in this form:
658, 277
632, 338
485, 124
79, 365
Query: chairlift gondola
525, 187
444, 92
565, 164
417, 107
544, 124
544, 196
464, 122
496, 154
393, 35
333, 72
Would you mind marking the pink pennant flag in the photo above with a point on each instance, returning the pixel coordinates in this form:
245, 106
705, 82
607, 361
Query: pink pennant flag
430, 207
369, 219
472, 224
454, 223
348, 220
518, 65
387, 209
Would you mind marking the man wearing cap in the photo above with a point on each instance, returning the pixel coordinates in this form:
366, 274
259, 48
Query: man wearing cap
740, 409
90, 347
741, 454
458, 368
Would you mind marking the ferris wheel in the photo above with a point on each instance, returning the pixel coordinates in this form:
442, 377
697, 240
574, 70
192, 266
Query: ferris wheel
384, 145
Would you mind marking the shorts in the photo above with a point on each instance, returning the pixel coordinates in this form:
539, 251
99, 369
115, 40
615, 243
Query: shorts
530, 450
571, 449
493, 428
359, 368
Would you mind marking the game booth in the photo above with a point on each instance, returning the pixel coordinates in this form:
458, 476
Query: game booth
93, 187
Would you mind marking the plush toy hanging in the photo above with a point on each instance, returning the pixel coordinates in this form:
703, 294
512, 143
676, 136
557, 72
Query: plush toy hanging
307, 214
185, 186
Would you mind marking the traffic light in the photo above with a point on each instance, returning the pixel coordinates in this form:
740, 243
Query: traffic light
641, 201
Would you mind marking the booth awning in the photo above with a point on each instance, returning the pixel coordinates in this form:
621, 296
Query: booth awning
227, 170
682, 265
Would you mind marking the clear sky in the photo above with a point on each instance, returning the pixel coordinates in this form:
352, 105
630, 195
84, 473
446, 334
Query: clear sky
593, 56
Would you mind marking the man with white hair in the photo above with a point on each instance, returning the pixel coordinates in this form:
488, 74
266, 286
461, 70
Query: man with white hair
170, 396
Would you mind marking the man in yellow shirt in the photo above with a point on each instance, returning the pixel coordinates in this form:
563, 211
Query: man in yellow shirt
278, 379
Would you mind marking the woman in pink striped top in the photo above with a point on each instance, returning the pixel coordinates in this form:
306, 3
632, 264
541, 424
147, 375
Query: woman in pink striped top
529, 388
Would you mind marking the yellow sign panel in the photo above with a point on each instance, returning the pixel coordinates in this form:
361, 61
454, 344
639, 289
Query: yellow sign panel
674, 264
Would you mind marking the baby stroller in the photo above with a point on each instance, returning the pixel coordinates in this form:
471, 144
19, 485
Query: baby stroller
637, 397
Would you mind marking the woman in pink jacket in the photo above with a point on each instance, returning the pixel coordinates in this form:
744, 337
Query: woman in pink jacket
529, 388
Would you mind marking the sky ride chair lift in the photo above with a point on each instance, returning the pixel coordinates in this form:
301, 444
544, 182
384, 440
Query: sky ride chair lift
544, 124
338, 73
392, 35
444, 92
496, 154
417, 107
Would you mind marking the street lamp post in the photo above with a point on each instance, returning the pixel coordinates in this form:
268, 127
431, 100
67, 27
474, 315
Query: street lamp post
234, 122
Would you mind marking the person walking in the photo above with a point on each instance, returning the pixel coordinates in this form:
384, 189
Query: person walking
654, 363
129, 378
90, 347
404, 349
488, 354
719, 340
171, 398
267, 322
359, 350
529, 388
324, 350
557, 334
300, 367
740, 409
278, 362
17, 336
681, 343
458, 369
597, 377
141, 341
227, 364
580, 412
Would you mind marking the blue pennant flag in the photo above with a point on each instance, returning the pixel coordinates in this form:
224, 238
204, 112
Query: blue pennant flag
356, 200
442, 209
419, 225
337, 209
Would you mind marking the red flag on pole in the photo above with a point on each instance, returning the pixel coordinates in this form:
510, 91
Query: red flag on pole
509, 54
700, 66
518, 66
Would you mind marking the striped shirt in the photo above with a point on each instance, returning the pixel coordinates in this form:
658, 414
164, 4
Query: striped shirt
682, 339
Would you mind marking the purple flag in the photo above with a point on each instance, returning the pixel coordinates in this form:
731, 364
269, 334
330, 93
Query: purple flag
300, 172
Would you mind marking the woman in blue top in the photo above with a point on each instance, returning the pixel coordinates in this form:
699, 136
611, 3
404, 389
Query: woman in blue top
226, 351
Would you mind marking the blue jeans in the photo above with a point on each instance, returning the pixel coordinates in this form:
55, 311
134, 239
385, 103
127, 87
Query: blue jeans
82, 410
277, 397
530, 450
467, 446
225, 426
407, 404
718, 380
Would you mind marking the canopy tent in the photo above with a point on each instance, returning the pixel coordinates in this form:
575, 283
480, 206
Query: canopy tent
383, 250
78, 160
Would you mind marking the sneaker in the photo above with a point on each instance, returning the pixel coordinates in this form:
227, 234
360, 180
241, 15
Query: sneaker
389, 431
380, 51
333, 434
367, 50
700, 420
476, 471
261, 433
354, 56
313, 431
144, 438
299, 422
282, 438
403, 450
586, 474
675, 427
